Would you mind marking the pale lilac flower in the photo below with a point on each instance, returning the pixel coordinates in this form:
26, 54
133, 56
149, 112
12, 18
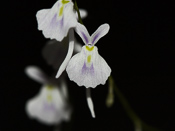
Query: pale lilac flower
88, 68
50, 105
56, 22
69, 39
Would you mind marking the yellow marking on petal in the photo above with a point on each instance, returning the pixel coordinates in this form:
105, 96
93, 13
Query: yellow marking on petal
89, 48
62, 7
49, 87
49, 97
89, 59
65, 2
61, 11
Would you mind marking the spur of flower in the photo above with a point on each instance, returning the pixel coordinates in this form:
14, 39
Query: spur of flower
50, 105
56, 22
88, 68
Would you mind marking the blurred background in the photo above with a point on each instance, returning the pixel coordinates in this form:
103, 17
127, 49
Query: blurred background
139, 49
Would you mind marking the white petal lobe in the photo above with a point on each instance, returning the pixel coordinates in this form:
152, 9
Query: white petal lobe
48, 106
88, 72
100, 32
56, 22
36, 74
83, 33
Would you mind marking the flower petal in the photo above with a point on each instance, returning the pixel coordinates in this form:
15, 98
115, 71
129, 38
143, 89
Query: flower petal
69, 54
83, 13
100, 32
101, 68
48, 106
41, 14
74, 68
89, 101
56, 22
87, 74
36, 74
83, 33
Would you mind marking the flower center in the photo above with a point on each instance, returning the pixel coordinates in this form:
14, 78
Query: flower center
89, 58
89, 48
49, 87
49, 90
49, 97
62, 7
64, 2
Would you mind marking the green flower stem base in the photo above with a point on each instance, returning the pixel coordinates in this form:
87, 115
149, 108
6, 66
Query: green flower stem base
77, 9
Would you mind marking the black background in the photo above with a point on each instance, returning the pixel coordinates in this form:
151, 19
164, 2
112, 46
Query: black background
139, 49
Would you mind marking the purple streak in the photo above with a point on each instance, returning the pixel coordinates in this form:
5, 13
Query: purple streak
85, 37
96, 36
88, 70
84, 68
92, 69
54, 21
48, 107
62, 22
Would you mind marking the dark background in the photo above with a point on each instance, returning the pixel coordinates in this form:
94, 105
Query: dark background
139, 49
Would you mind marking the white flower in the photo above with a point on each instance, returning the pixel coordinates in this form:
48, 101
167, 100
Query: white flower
56, 22
50, 105
88, 68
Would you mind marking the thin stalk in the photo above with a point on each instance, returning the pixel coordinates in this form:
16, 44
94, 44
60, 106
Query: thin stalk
125, 103
77, 9
138, 123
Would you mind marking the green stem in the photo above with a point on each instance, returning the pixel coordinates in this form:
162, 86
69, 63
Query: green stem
124, 103
77, 9
138, 123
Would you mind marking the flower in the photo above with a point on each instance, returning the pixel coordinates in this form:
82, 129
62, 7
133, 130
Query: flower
88, 68
56, 22
50, 105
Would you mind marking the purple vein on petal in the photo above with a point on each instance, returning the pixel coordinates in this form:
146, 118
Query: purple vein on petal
88, 70
85, 37
92, 69
96, 36
54, 21
62, 22
84, 68
48, 107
